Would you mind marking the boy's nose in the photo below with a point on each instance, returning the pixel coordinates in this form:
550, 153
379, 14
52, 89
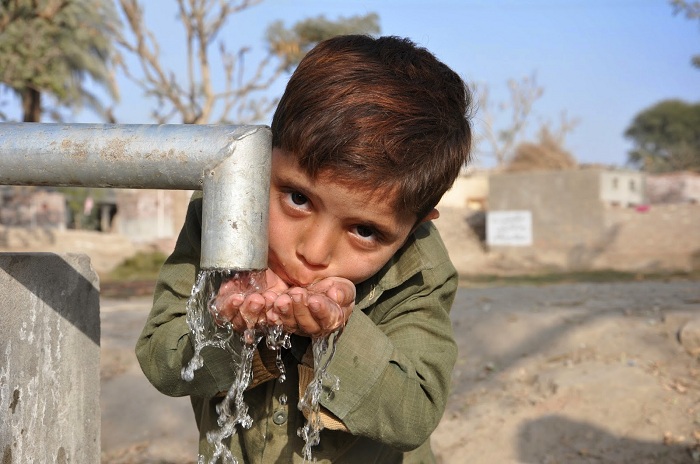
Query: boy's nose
316, 247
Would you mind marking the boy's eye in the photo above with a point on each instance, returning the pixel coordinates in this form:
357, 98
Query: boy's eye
298, 199
364, 231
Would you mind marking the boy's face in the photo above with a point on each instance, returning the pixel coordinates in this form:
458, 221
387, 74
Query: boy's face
320, 228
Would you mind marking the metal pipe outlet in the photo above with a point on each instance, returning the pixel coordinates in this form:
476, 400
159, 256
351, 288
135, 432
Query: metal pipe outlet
231, 164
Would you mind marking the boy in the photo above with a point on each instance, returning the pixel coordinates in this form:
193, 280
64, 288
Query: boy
367, 137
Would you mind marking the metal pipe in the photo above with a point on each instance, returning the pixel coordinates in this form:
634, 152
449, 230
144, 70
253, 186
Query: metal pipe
231, 164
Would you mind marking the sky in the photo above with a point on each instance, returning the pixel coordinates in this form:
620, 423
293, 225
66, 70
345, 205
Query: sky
600, 62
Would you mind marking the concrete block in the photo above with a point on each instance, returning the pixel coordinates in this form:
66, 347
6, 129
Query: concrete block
49, 359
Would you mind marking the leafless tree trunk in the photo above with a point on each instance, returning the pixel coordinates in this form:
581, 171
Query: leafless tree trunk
31, 105
194, 98
523, 95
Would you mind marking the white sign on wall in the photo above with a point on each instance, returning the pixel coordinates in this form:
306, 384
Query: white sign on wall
509, 228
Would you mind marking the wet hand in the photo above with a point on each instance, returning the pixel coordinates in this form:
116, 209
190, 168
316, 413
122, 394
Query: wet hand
315, 311
246, 311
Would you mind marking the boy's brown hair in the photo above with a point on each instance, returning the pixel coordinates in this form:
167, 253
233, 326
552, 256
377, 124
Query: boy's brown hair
380, 114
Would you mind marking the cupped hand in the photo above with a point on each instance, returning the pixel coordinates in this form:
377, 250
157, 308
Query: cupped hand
314, 311
246, 310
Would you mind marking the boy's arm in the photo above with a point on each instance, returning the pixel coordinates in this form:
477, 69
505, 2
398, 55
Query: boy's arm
395, 368
164, 346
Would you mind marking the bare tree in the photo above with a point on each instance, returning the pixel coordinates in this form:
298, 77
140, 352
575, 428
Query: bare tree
504, 134
558, 133
195, 97
547, 154
523, 94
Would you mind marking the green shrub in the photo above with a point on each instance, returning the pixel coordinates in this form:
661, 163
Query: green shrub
141, 266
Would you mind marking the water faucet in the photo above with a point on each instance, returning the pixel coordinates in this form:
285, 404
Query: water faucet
230, 164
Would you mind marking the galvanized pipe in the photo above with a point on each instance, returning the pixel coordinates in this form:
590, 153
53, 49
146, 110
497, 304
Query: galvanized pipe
231, 164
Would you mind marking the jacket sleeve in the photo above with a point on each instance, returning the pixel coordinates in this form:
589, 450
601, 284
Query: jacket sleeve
395, 361
164, 346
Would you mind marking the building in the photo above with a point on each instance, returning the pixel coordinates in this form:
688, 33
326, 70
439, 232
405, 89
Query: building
32, 207
567, 208
146, 216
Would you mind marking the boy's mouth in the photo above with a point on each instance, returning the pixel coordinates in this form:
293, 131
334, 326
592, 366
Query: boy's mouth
291, 282
281, 271
282, 274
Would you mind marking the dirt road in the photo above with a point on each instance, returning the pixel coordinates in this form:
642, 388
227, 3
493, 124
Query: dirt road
577, 373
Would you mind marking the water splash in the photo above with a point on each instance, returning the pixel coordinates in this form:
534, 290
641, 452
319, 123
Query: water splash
205, 326
209, 330
233, 410
309, 403
276, 339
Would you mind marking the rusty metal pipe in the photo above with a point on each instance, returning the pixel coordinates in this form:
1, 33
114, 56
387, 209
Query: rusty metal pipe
231, 164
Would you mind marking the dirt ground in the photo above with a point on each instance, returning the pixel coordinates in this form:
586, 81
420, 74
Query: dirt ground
582, 373
569, 373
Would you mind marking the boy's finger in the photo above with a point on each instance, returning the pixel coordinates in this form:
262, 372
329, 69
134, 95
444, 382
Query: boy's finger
270, 297
304, 318
252, 308
239, 325
283, 308
328, 315
255, 299
306, 324
226, 307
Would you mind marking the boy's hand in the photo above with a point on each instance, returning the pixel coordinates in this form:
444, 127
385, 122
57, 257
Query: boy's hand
246, 311
315, 311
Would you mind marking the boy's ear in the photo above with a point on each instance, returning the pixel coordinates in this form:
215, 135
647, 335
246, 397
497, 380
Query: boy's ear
434, 214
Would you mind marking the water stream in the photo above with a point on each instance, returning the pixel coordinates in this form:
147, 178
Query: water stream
209, 331
309, 403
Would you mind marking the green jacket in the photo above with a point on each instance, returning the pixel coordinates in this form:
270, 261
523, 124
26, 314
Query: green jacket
394, 360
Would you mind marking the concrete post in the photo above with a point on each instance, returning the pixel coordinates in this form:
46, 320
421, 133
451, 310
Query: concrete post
50, 359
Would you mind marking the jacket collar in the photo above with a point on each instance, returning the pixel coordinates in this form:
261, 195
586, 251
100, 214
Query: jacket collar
411, 259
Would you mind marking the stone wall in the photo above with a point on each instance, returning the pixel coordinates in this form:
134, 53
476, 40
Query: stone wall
32, 207
468, 191
674, 187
